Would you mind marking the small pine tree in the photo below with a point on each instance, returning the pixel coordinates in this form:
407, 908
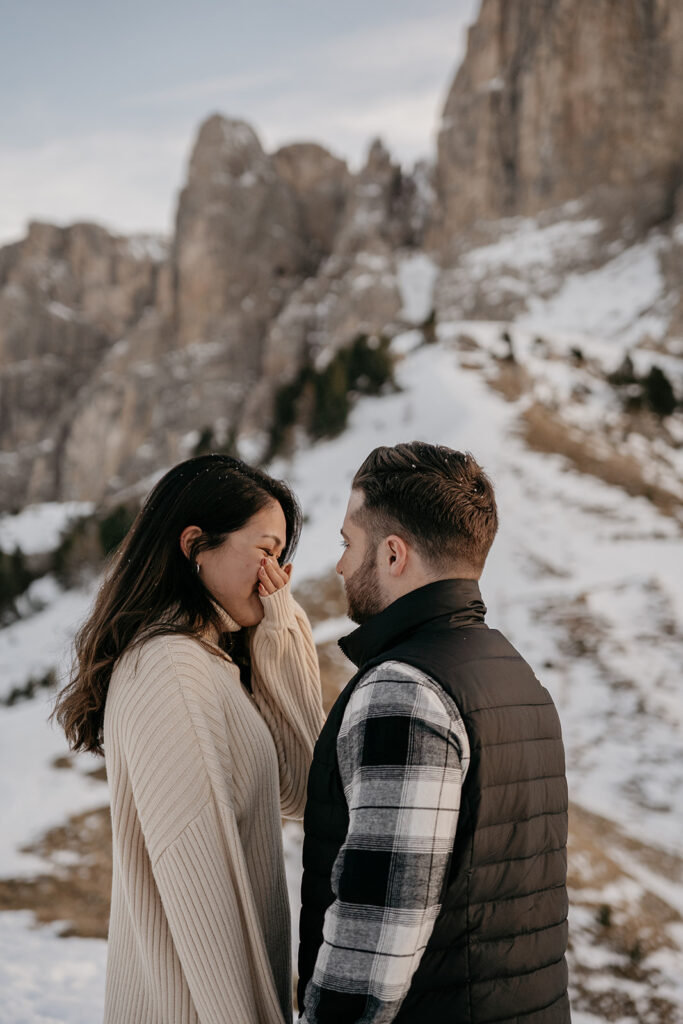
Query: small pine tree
331, 397
369, 365
15, 577
624, 374
659, 393
320, 400
114, 527
205, 443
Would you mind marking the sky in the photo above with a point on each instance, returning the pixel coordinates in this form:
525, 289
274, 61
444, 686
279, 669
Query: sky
100, 103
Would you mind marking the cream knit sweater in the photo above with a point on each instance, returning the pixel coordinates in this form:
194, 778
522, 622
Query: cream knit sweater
199, 772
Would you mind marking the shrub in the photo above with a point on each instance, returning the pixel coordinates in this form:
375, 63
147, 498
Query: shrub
48, 681
605, 915
15, 577
654, 390
331, 405
207, 443
624, 374
320, 400
203, 445
370, 365
509, 356
114, 527
88, 541
658, 392
428, 328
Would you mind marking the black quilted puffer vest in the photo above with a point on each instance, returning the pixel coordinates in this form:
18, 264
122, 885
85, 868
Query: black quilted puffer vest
497, 951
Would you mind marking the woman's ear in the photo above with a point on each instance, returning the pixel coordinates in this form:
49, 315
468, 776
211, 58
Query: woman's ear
187, 538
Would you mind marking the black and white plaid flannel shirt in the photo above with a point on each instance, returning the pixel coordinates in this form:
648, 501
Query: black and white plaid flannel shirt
403, 754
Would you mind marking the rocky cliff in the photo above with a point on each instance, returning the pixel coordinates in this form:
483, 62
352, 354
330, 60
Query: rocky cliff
120, 356
556, 99
66, 295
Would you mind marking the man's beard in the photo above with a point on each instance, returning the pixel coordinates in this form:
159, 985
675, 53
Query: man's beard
363, 592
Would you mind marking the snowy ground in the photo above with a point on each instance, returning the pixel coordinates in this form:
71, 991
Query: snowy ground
39, 527
565, 540
48, 980
583, 578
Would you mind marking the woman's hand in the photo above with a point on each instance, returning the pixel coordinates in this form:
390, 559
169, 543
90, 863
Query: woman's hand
272, 577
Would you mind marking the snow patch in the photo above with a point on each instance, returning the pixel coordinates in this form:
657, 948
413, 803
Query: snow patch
38, 528
417, 276
45, 979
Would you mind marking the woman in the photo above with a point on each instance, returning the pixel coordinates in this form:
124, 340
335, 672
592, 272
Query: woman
201, 759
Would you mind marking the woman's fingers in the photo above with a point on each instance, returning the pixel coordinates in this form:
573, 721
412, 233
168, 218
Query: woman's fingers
271, 576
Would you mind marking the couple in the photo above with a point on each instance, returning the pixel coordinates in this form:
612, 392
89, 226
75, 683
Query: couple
434, 886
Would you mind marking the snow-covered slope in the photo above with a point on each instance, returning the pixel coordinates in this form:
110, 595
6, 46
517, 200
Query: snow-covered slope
585, 577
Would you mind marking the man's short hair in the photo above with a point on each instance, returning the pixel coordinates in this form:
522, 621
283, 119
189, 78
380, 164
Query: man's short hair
438, 498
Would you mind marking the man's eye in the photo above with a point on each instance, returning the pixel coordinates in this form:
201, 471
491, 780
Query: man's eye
344, 543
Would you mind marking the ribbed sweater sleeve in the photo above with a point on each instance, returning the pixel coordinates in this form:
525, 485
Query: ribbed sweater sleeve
171, 727
206, 893
286, 685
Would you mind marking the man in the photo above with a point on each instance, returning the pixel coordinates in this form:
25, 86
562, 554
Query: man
434, 884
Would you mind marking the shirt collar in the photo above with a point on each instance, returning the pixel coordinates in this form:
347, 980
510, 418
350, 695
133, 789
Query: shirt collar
459, 599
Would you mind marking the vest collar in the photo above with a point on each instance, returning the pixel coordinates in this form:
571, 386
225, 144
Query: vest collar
459, 599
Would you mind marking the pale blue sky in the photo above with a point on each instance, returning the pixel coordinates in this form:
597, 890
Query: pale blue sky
101, 103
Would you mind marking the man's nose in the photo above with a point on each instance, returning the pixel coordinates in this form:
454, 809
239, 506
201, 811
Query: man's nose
337, 567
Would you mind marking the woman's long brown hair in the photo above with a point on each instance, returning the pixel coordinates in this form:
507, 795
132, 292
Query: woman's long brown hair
151, 588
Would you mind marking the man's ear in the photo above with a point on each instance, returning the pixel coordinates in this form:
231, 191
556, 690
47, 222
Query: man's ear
396, 554
187, 537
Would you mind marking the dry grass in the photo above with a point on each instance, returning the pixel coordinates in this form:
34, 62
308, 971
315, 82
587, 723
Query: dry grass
627, 920
76, 885
544, 431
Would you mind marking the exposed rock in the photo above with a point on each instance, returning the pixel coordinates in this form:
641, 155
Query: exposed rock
380, 211
355, 290
85, 270
239, 250
556, 98
322, 185
65, 295
143, 413
115, 359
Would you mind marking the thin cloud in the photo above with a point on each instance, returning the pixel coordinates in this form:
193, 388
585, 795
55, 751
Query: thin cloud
388, 81
123, 180
405, 120
207, 89
408, 46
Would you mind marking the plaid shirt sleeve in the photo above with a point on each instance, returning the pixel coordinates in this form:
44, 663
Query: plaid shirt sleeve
403, 754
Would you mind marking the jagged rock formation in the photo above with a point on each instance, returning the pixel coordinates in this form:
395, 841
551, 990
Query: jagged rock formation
321, 184
116, 358
558, 98
355, 290
66, 294
117, 355
239, 247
